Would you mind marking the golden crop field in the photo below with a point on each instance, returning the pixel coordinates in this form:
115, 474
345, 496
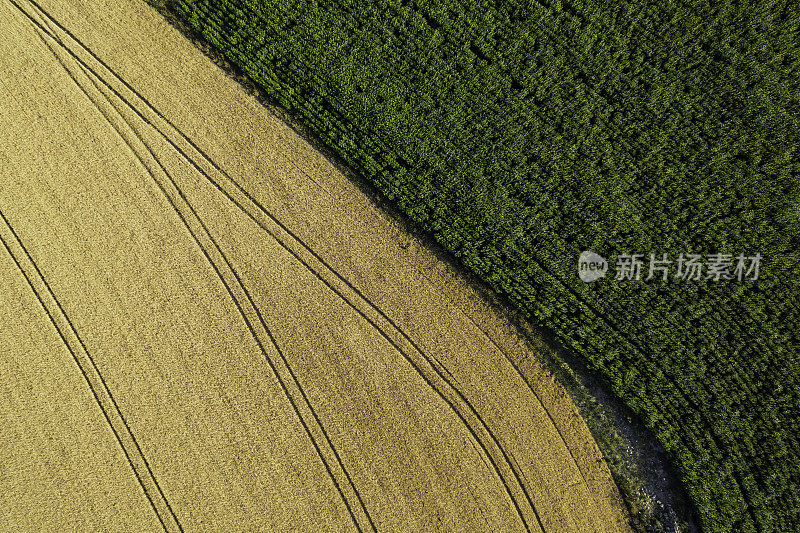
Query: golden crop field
204, 326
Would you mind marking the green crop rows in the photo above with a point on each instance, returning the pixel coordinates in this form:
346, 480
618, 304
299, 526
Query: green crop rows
521, 132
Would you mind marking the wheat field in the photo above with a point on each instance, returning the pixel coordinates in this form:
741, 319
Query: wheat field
204, 326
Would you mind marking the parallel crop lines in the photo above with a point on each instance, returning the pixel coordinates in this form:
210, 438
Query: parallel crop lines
91, 374
520, 133
117, 92
237, 291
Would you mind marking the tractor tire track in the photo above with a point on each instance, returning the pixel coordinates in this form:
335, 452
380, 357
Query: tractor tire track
94, 379
438, 367
244, 303
514, 365
437, 376
245, 199
439, 370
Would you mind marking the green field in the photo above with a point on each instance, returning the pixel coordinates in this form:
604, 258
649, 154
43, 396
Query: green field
520, 133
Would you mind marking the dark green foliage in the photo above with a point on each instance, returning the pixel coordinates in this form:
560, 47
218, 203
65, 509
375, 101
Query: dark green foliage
520, 133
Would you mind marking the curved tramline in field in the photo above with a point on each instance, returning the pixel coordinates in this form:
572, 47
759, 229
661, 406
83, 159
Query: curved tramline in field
521, 134
240, 320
